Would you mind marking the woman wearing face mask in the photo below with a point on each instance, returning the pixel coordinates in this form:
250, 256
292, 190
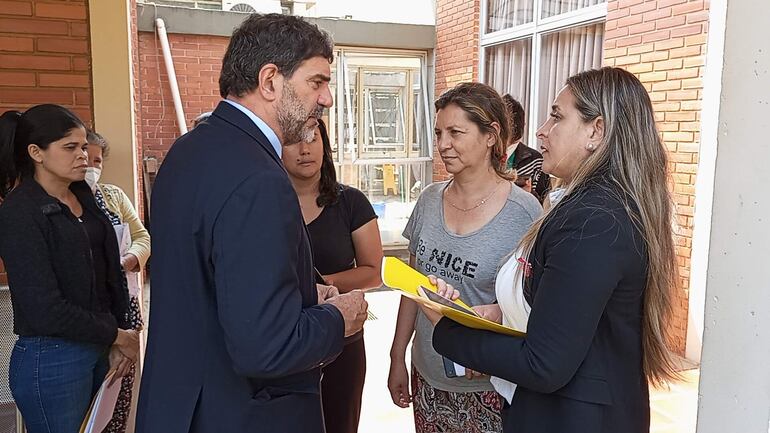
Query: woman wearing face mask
460, 230
134, 241
60, 252
347, 253
592, 281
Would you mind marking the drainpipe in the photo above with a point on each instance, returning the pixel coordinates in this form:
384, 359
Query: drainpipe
180, 120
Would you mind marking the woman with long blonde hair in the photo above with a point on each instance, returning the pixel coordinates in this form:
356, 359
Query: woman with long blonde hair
592, 280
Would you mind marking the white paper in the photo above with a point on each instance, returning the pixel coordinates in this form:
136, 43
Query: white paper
103, 406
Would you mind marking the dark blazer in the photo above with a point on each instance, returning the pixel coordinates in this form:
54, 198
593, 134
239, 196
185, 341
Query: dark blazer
580, 367
236, 338
47, 255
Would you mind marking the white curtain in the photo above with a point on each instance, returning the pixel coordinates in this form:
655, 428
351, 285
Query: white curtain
556, 7
564, 54
504, 14
508, 69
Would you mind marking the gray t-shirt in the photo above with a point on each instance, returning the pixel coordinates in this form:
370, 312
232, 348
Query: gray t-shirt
468, 262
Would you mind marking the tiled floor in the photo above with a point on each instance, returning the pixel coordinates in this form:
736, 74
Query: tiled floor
672, 410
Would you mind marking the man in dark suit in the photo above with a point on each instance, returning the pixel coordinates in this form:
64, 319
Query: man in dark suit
238, 337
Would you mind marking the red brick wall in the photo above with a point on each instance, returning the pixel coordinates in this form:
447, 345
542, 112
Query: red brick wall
663, 42
45, 58
198, 61
457, 53
44, 55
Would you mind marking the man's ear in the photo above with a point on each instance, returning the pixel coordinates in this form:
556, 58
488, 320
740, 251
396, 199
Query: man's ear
270, 81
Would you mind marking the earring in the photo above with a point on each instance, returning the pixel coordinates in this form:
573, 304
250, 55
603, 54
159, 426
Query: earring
590, 146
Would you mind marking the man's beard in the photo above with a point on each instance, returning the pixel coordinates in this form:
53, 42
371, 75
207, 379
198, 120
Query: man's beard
292, 117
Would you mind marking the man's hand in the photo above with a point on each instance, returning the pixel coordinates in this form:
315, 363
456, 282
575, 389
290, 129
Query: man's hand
353, 308
326, 292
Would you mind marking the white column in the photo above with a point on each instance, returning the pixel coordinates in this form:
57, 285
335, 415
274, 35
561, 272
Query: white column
735, 363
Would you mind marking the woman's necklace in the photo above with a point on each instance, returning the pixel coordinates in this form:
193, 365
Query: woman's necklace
477, 205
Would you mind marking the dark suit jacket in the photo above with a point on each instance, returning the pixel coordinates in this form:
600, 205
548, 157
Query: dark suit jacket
580, 367
236, 338
50, 268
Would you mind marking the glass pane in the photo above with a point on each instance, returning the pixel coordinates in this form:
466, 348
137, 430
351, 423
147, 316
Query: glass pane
565, 54
504, 14
420, 124
391, 188
507, 69
557, 7
349, 132
385, 99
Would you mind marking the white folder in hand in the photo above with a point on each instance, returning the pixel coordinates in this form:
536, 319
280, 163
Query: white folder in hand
100, 412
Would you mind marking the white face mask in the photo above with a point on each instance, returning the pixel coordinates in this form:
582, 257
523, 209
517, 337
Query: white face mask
92, 177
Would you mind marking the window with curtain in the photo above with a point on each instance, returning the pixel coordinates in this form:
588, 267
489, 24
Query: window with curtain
531, 47
381, 130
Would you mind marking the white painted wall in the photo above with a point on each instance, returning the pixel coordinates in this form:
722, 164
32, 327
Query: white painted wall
704, 182
734, 393
385, 11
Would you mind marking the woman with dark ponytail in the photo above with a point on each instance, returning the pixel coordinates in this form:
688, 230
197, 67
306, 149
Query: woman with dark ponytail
61, 257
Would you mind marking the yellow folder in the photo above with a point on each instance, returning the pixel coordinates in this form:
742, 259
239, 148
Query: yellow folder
400, 276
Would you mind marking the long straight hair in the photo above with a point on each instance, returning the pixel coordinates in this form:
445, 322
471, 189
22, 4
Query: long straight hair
634, 159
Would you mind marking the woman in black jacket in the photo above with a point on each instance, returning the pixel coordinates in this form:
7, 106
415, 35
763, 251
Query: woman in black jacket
61, 257
592, 280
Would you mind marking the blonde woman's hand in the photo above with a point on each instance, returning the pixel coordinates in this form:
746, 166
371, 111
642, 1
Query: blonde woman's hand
490, 312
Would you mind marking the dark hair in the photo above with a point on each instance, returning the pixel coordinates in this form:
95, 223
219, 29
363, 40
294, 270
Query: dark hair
40, 125
283, 40
93, 137
329, 189
516, 116
483, 106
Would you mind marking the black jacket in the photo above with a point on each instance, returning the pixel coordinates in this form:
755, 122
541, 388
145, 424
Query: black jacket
237, 338
579, 369
47, 256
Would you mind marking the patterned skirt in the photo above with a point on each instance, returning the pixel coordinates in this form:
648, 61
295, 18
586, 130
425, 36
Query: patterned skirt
123, 405
437, 411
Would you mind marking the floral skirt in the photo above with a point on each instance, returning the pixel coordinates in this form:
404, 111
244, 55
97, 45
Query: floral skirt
454, 412
123, 405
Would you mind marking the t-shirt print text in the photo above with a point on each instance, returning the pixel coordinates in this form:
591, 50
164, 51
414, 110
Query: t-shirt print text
444, 264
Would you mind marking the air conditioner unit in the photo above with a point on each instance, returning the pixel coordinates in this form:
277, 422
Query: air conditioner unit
252, 6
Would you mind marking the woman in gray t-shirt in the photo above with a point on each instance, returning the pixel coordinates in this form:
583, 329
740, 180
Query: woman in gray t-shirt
460, 231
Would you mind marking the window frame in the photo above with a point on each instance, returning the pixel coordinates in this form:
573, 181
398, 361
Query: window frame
534, 30
341, 96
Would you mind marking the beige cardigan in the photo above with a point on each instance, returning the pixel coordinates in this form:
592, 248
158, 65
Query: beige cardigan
117, 201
